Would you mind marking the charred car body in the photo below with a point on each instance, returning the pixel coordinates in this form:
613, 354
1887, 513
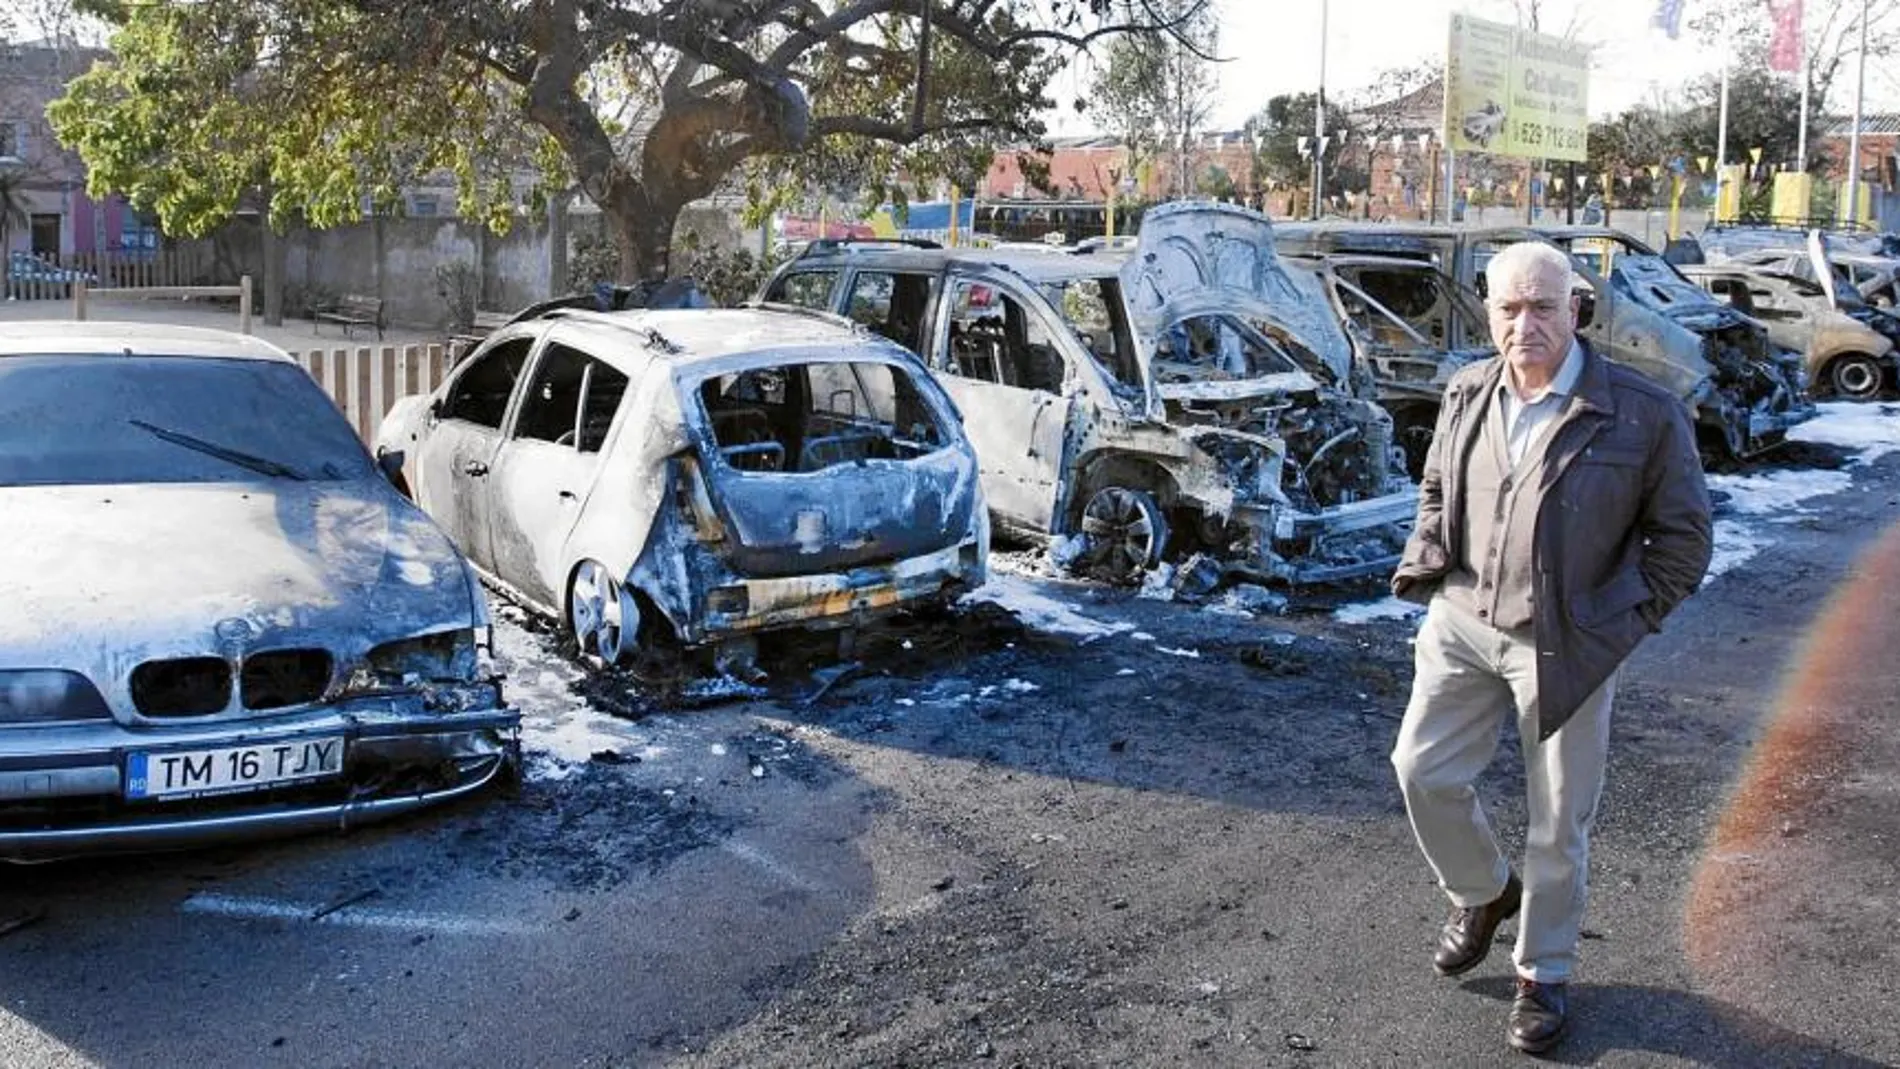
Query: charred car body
223, 621
1745, 391
1848, 355
1185, 398
666, 478
1407, 321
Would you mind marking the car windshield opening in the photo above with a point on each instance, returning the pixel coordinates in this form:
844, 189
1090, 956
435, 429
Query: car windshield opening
806, 417
94, 420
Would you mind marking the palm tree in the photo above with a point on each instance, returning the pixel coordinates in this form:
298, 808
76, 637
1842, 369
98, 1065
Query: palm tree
12, 213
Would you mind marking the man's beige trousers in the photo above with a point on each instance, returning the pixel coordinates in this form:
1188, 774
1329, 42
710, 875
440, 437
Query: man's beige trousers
1470, 676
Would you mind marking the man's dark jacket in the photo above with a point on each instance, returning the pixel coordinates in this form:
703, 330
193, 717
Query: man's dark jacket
1622, 532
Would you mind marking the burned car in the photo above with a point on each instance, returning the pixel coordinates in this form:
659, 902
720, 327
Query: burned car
692, 478
1134, 408
1406, 320
1848, 355
223, 620
1746, 392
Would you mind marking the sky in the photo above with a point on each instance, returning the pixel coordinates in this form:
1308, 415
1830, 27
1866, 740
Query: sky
1274, 45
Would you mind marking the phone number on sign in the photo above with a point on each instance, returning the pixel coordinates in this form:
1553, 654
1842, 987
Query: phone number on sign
1554, 138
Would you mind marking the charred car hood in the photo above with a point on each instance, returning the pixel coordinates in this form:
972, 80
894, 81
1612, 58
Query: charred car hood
141, 571
1217, 259
1652, 283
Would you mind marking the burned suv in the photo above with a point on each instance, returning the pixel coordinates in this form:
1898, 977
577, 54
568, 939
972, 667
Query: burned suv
1131, 408
1746, 392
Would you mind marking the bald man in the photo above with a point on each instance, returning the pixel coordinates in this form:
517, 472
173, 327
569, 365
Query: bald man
1562, 515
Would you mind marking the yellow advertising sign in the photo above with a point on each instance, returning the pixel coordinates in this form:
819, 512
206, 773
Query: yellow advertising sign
1511, 92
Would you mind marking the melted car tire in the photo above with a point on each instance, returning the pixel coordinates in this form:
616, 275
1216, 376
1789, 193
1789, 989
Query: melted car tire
1123, 535
602, 617
1855, 377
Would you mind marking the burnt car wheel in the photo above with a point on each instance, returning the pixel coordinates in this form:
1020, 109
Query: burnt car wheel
1855, 377
601, 614
1123, 535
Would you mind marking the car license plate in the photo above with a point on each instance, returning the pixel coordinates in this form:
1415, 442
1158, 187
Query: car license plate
166, 774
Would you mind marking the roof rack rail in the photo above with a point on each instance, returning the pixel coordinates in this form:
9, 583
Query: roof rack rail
819, 246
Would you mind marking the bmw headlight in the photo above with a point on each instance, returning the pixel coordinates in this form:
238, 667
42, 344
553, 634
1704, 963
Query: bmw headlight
48, 695
439, 657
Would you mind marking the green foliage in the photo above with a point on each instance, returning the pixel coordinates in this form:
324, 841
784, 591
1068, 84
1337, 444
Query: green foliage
1280, 125
728, 276
594, 258
1215, 182
325, 108
320, 109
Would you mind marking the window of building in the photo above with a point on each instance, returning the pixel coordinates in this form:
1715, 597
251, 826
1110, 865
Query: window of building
9, 141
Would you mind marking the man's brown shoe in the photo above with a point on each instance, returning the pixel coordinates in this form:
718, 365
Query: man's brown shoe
1466, 937
1537, 1016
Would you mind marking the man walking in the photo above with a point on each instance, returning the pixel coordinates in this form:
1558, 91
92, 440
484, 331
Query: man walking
1562, 514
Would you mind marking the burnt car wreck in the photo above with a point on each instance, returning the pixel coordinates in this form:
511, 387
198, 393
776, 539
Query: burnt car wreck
1131, 410
1745, 391
1411, 329
667, 480
225, 623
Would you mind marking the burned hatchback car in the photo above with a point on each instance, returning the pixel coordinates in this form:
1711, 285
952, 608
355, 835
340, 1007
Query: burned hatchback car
1135, 408
222, 620
659, 479
1746, 392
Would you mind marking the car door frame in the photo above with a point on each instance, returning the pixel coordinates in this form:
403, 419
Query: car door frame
530, 552
454, 488
1025, 469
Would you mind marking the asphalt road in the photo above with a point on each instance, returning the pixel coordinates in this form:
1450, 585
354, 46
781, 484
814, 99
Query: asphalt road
1178, 844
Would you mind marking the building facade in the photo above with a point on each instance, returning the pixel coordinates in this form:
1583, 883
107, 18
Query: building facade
61, 217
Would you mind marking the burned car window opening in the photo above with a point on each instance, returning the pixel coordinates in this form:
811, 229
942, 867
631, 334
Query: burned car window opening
806, 289
481, 394
1092, 307
68, 419
812, 416
891, 304
1377, 322
600, 402
553, 397
994, 338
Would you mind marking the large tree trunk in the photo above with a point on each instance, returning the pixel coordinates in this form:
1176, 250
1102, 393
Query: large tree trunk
645, 239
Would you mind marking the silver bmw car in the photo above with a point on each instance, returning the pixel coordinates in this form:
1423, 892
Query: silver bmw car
218, 617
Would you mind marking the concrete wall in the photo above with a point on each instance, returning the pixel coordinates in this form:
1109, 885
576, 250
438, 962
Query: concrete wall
396, 259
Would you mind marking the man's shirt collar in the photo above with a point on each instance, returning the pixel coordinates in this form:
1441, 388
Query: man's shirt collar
1563, 385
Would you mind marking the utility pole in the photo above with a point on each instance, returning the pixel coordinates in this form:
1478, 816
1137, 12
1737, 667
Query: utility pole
1319, 117
1853, 137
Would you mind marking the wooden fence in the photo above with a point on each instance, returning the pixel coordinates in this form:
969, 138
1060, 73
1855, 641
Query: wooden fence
44, 277
84, 292
367, 382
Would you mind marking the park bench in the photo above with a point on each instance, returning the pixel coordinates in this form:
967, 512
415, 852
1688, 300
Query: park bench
352, 310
